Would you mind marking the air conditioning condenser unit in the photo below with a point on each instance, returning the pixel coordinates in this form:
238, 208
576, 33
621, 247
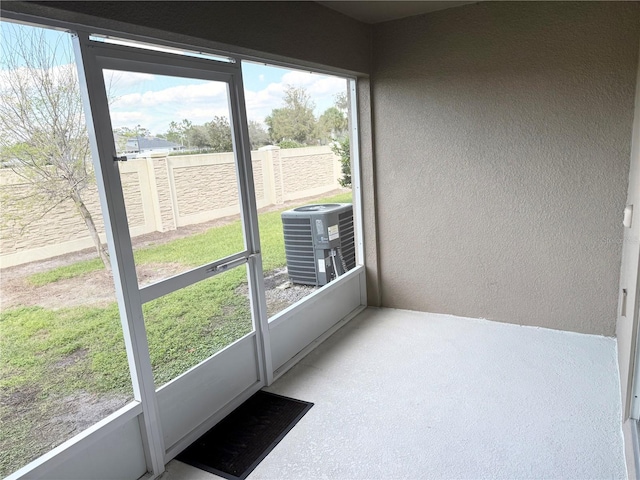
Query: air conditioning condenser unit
319, 242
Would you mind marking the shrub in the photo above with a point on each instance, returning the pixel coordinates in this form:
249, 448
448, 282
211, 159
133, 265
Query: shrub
342, 149
290, 144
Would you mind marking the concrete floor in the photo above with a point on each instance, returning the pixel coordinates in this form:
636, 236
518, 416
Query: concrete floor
402, 394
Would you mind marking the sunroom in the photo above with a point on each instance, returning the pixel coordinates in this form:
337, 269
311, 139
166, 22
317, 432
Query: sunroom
494, 167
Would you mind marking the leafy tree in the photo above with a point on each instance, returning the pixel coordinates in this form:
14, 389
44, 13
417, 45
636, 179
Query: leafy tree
342, 149
289, 144
124, 134
332, 124
335, 124
214, 136
177, 132
341, 102
197, 137
43, 136
295, 120
219, 134
258, 136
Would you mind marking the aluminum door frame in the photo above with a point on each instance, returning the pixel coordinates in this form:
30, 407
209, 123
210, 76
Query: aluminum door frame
92, 58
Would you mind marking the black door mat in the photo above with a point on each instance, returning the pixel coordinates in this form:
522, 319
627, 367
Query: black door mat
237, 444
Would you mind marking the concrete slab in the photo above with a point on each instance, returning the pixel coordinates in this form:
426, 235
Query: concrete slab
402, 394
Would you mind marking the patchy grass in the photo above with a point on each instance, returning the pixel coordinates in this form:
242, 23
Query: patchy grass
67, 271
191, 324
197, 249
60, 351
50, 355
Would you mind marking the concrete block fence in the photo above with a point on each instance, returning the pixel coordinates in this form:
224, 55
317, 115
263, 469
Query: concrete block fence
162, 193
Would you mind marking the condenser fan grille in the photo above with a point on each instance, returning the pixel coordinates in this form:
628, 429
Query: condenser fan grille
319, 207
298, 242
347, 239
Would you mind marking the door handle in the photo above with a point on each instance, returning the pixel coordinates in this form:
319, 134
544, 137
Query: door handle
221, 267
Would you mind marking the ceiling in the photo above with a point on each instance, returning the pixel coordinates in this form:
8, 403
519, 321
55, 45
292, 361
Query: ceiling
382, 11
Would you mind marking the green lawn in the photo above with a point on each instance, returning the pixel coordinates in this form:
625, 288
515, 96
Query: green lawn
47, 355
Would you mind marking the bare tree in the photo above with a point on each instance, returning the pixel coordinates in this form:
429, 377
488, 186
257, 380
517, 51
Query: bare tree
43, 136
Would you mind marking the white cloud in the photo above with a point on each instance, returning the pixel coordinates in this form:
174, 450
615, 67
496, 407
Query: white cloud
259, 104
327, 86
315, 84
296, 77
130, 119
182, 94
199, 103
115, 79
322, 90
35, 77
213, 91
199, 115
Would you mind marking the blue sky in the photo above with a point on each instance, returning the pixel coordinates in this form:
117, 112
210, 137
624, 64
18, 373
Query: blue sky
153, 101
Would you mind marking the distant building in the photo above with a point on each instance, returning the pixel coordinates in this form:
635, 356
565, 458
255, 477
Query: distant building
141, 145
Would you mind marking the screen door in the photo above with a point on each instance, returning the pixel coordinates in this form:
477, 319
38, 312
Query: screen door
181, 207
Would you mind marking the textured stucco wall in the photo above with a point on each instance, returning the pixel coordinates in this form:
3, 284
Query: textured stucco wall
367, 181
305, 31
502, 138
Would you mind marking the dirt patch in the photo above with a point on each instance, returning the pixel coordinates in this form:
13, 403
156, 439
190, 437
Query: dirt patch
19, 396
45, 426
93, 288
71, 359
152, 272
96, 289
79, 411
